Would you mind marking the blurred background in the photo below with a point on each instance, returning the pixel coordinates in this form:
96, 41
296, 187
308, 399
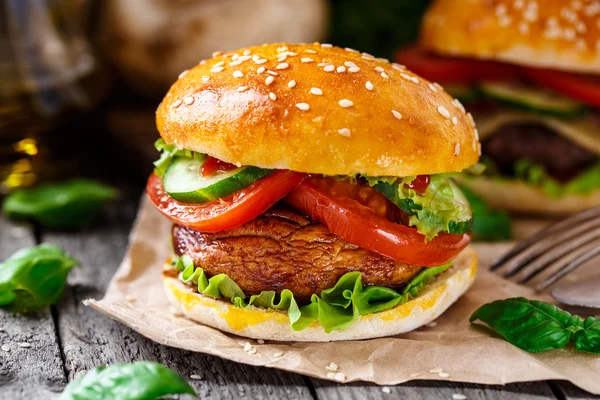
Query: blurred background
81, 79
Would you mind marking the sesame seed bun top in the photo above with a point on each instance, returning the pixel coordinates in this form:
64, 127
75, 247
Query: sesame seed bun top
319, 109
558, 34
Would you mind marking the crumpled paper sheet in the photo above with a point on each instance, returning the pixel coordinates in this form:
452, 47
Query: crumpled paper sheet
466, 353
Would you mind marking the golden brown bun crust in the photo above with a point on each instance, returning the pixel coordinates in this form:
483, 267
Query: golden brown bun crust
559, 34
231, 116
269, 324
519, 197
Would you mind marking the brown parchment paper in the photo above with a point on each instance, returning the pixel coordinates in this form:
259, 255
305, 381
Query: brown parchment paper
466, 353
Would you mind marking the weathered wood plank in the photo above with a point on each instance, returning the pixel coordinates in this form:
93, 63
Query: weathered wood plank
34, 372
431, 390
90, 339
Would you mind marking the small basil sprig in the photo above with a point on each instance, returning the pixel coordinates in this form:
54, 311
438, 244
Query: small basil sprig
34, 277
66, 205
142, 380
536, 326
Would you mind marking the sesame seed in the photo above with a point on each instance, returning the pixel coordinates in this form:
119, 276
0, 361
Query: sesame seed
181, 75
406, 76
332, 367
238, 74
353, 69
311, 51
442, 110
344, 132
235, 63
247, 52
398, 67
340, 69
444, 375
282, 58
303, 106
195, 377
367, 56
471, 119
384, 75
278, 354
316, 91
202, 62
349, 64
282, 66
437, 85
269, 80
5, 347
219, 64
245, 58
369, 85
242, 89
329, 68
379, 69
454, 121
217, 53
383, 59
247, 346
397, 114
272, 73
272, 96
306, 60
457, 149
235, 57
459, 396
323, 64
350, 50
260, 70
346, 103
432, 87
325, 45
177, 103
282, 49
255, 57
261, 61
436, 370
188, 100
260, 341
331, 375
24, 345
386, 390
206, 78
291, 83
476, 134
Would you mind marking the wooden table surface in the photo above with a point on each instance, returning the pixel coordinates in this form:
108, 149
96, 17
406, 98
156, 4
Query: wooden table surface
68, 339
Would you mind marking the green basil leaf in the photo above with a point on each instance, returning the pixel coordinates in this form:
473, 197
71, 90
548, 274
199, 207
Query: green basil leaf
142, 380
588, 338
35, 277
66, 205
528, 324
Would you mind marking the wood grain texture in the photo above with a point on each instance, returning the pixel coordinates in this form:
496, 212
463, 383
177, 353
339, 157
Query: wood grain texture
89, 338
423, 390
34, 372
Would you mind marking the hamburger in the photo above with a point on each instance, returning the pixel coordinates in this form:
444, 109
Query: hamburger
310, 192
528, 70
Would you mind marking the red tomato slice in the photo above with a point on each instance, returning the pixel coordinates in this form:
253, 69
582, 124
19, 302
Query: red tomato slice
361, 226
452, 69
230, 212
581, 87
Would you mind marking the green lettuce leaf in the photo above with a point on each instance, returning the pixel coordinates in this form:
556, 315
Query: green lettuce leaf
442, 205
168, 153
534, 174
336, 308
489, 224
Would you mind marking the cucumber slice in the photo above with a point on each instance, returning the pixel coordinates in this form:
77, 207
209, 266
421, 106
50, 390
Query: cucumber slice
184, 182
465, 93
462, 224
533, 99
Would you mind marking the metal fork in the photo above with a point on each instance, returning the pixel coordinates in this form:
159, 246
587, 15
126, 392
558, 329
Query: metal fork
564, 246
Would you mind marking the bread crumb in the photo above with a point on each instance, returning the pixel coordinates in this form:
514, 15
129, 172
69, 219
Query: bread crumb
444, 375
195, 377
459, 396
386, 389
332, 367
436, 370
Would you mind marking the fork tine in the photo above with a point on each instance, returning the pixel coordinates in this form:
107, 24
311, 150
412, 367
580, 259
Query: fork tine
584, 256
542, 263
560, 225
517, 263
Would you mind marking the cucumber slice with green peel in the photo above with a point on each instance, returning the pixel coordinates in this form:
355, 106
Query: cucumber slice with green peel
461, 225
533, 99
185, 183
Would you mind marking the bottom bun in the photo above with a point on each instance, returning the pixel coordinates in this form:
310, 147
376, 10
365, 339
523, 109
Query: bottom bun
518, 196
269, 324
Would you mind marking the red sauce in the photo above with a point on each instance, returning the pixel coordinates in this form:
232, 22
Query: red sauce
212, 165
419, 184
